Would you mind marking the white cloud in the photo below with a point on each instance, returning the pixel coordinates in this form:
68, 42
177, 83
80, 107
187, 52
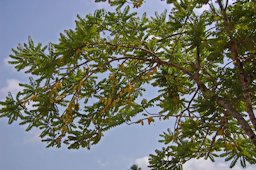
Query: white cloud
202, 164
196, 164
6, 62
142, 163
12, 85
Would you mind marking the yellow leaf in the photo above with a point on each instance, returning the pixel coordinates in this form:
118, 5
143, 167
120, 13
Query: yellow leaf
34, 97
60, 98
109, 101
71, 105
118, 100
78, 51
154, 70
58, 140
114, 103
143, 78
130, 88
220, 132
64, 129
137, 3
142, 122
77, 106
148, 75
58, 85
150, 120
121, 67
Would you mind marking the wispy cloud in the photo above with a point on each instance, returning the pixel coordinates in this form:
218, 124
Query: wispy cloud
202, 164
142, 163
195, 164
12, 85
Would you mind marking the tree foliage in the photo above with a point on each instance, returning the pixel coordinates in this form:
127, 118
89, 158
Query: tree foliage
135, 167
201, 57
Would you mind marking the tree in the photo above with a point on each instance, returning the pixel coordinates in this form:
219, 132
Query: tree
135, 167
202, 64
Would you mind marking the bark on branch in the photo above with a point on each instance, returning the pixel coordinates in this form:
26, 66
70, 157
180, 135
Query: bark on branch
243, 77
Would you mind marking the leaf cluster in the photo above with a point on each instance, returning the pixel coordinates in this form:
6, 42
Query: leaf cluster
96, 78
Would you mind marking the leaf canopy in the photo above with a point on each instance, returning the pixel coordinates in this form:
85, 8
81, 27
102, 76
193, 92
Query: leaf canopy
201, 57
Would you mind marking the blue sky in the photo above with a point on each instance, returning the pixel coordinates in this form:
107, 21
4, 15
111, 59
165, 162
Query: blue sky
19, 150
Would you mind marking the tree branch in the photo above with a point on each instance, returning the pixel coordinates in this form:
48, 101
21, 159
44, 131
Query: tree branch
244, 82
230, 110
239, 66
